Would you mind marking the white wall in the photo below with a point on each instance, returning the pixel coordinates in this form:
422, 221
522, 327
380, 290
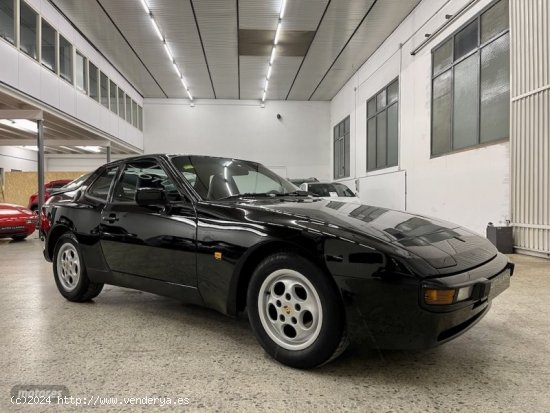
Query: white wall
17, 158
78, 163
471, 187
294, 146
28, 76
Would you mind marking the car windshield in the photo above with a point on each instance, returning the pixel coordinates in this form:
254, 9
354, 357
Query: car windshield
75, 184
328, 190
224, 178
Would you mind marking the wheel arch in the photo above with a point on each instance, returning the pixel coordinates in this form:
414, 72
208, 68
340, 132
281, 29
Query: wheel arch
53, 236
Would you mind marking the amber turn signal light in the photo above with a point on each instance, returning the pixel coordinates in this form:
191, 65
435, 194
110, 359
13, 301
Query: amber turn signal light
433, 296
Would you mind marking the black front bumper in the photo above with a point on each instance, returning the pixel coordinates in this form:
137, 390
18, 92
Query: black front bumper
389, 312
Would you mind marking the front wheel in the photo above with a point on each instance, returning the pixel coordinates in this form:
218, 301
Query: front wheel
70, 273
295, 311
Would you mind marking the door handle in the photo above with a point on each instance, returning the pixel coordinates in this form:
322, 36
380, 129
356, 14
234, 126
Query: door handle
111, 219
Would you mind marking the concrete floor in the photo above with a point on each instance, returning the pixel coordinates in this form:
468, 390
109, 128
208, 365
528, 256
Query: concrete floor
133, 344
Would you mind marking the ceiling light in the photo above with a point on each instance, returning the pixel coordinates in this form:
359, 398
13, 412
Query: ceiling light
189, 94
21, 124
269, 72
167, 49
183, 82
283, 6
93, 149
156, 27
272, 56
177, 69
263, 97
29, 148
266, 84
277, 33
145, 7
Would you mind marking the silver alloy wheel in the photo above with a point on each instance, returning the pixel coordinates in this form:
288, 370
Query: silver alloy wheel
290, 309
68, 266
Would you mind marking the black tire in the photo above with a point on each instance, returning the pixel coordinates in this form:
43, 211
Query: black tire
329, 339
19, 237
83, 289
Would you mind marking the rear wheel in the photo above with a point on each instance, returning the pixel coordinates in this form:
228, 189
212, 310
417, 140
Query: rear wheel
70, 273
295, 311
18, 237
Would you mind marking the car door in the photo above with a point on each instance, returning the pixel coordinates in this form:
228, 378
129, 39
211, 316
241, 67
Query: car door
157, 242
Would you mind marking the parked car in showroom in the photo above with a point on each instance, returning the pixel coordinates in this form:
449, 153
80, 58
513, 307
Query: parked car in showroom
49, 188
16, 222
231, 235
334, 191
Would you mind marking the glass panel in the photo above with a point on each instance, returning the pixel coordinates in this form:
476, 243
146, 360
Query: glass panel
465, 96
104, 90
393, 92
346, 154
381, 139
48, 46
381, 100
100, 188
112, 94
28, 29
121, 99
466, 40
495, 90
94, 84
140, 118
371, 107
7, 26
346, 125
128, 109
443, 56
393, 127
65, 59
336, 159
371, 144
494, 21
441, 113
81, 75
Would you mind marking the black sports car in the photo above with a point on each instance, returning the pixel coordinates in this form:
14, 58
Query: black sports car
230, 234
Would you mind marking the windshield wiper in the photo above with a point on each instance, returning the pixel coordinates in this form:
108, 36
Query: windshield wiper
263, 194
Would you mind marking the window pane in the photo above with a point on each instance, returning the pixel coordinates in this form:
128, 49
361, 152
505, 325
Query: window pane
381, 100
495, 90
466, 40
104, 90
494, 20
7, 27
28, 29
128, 109
94, 84
393, 92
466, 98
100, 188
443, 56
121, 99
346, 154
134, 114
112, 94
337, 163
393, 127
140, 118
371, 144
48, 46
65, 59
381, 139
441, 113
346, 126
81, 77
371, 107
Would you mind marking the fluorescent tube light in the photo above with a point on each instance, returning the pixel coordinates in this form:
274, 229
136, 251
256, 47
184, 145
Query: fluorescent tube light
156, 27
29, 148
277, 33
146, 7
93, 149
266, 84
189, 94
272, 56
183, 82
176, 68
283, 6
269, 73
167, 49
21, 124
263, 97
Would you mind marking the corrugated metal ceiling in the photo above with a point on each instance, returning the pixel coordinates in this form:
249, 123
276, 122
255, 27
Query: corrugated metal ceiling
203, 36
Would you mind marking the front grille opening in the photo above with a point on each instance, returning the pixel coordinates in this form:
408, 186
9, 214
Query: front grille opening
459, 328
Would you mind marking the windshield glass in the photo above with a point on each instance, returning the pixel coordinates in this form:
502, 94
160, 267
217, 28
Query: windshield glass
328, 190
219, 178
76, 183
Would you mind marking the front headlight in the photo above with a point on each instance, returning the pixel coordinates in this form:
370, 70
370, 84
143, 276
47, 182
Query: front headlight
464, 293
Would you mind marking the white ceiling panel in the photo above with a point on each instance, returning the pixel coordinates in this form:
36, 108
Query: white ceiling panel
259, 14
253, 72
282, 75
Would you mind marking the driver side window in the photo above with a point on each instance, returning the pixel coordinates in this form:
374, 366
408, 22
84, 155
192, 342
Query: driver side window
143, 174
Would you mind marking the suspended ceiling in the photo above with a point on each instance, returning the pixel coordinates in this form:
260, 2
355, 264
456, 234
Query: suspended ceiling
223, 46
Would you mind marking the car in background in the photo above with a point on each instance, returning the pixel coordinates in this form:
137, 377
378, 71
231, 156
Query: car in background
311, 273
300, 181
334, 191
16, 222
49, 188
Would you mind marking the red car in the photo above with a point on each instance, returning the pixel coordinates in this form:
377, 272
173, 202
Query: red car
48, 188
16, 222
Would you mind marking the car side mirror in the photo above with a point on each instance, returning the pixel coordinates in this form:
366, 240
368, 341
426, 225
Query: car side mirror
150, 197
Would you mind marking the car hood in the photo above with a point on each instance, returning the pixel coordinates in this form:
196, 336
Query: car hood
447, 247
13, 211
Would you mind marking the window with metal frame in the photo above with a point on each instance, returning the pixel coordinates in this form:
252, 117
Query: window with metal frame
471, 83
49, 46
93, 74
7, 20
104, 89
100, 187
81, 72
113, 104
383, 127
65, 59
341, 149
28, 30
121, 101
